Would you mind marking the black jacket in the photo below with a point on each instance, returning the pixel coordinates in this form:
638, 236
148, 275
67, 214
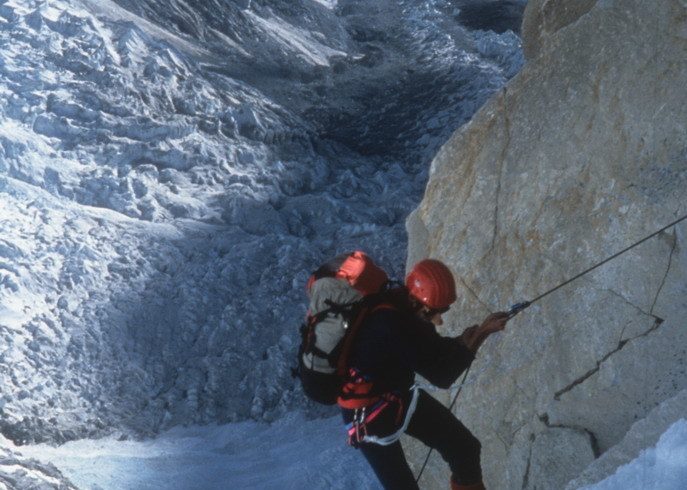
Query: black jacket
392, 345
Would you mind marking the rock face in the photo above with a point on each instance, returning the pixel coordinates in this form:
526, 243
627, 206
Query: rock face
583, 154
544, 17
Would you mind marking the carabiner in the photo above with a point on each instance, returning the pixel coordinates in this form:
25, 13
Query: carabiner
517, 308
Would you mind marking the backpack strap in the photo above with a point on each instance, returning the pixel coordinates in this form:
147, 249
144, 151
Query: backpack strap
347, 341
357, 392
308, 332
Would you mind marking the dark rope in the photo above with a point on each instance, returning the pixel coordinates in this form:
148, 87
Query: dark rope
455, 399
517, 308
607, 260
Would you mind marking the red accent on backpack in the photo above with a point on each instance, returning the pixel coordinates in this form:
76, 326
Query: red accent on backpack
356, 393
361, 273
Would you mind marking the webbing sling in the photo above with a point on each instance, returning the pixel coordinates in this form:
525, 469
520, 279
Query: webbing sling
390, 439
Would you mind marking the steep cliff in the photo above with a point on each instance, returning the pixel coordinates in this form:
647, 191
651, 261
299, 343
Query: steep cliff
583, 153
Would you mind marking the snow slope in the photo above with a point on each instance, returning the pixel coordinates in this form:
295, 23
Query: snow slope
171, 172
241, 455
255, 455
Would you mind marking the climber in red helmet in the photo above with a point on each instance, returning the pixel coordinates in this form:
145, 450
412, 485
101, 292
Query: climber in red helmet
380, 400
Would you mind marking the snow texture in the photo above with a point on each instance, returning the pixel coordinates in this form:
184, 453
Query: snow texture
241, 455
246, 455
171, 172
17, 472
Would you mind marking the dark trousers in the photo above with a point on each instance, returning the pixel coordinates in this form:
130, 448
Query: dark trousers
434, 425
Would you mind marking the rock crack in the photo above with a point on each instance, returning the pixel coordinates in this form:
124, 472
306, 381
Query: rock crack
593, 441
621, 345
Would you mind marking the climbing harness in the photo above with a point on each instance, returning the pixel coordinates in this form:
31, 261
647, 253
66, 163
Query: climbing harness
357, 429
519, 307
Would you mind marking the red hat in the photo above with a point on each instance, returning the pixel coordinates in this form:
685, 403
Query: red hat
431, 283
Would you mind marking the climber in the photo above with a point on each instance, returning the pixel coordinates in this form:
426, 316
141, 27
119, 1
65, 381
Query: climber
379, 400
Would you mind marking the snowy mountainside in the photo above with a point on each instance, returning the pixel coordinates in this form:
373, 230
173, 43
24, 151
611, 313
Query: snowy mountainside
169, 172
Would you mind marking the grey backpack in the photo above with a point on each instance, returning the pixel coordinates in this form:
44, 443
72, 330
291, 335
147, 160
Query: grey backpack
341, 292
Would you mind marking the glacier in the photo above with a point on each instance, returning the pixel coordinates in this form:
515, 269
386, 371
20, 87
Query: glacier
171, 172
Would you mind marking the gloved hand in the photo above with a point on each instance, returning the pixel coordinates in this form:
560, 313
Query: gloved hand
474, 336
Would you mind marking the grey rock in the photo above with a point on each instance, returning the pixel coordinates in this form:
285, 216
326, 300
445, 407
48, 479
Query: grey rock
558, 454
542, 18
416, 229
580, 156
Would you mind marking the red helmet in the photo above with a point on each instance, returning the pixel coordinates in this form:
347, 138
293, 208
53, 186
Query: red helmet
431, 283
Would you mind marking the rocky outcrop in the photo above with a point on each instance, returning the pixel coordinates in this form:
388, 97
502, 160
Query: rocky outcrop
583, 153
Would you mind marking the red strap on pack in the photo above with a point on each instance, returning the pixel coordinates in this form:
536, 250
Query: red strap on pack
360, 400
356, 393
356, 387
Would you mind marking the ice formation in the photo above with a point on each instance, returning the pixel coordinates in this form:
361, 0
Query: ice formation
170, 173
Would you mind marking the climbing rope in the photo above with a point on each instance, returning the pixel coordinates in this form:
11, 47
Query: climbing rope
519, 307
